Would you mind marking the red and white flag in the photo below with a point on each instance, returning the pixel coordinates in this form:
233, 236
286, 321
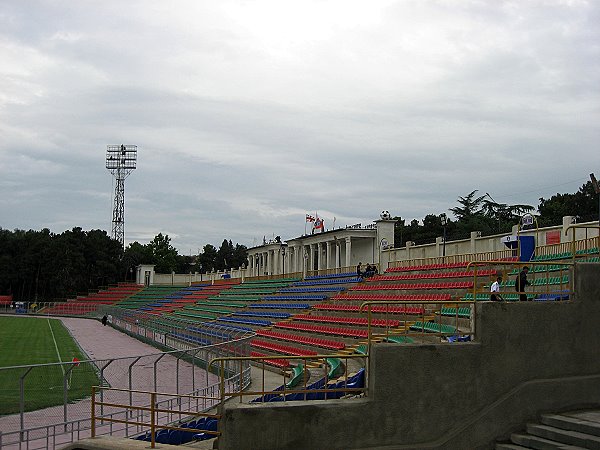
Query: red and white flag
310, 218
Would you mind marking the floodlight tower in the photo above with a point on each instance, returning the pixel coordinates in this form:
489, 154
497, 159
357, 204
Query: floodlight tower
120, 161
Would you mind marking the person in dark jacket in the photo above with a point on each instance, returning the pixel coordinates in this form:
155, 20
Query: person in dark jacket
521, 282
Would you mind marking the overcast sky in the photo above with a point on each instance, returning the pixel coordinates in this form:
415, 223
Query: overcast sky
250, 114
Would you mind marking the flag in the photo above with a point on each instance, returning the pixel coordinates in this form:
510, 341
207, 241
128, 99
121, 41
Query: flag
75, 360
310, 218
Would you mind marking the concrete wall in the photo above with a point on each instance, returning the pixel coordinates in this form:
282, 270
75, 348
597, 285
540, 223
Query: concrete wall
527, 358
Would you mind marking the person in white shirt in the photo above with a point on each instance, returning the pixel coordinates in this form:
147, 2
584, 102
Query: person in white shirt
495, 290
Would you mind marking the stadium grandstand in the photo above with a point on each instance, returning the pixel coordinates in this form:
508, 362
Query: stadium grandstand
309, 352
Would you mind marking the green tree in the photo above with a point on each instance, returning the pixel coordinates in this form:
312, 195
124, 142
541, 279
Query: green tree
224, 255
583, 205
469, 206
164, 255
207, 259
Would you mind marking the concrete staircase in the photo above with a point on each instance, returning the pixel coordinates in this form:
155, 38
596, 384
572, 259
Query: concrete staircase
567, 431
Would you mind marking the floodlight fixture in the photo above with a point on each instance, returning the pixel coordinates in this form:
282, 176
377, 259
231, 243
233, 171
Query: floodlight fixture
121, 160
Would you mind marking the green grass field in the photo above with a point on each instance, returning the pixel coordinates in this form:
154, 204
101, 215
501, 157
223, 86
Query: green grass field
28, 340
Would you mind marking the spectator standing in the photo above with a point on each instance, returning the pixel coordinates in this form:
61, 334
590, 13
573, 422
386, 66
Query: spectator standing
520, 283
495, 290
359, 269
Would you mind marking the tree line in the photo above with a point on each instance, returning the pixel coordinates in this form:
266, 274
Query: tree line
43, 266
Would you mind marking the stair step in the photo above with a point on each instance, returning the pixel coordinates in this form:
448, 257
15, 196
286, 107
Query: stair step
571, 423
508, 446
564, 436
539, 443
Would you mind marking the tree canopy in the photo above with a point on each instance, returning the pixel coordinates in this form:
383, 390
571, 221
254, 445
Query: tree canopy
482, 213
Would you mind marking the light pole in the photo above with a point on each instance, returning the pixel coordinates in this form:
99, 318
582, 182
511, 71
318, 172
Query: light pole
597, 191
444, 220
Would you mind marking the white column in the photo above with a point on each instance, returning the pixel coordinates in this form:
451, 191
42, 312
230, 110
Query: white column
348, 251
337, 262
328, 246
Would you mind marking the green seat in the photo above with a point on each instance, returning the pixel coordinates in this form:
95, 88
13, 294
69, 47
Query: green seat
399, 339
362, 349
297, 376
335, 367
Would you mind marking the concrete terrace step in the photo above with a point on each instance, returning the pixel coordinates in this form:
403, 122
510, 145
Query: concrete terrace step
573, 423
536, 442
508, 446
564, 436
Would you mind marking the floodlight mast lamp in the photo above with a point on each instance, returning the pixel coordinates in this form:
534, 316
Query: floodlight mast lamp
120, 161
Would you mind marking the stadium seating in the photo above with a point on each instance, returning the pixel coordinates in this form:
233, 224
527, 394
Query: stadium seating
433, 327
433, 275
353, 295
280, 348
302, 339
414, 286
360, 321
322, 329
390, 309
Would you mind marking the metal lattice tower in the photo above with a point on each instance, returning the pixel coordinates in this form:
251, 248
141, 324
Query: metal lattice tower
120, 161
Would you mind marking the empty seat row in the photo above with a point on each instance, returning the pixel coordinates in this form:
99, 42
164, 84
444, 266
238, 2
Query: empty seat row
413, 286
332, 275
190, 338
394, 298
428, 267
280, 348
256, 322
313, 289
309, 297
280, 305
350, 332
280, 363
463, 311
360, 321
309, 340
390, 309
433, 327
329, 281
435, 275
272, 315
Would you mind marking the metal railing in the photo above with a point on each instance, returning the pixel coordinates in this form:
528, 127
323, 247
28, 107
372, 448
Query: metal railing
159, 417
542, 279
451, 259
582, 245
43, 414
316, 363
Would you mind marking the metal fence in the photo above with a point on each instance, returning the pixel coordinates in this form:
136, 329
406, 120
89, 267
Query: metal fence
48, 405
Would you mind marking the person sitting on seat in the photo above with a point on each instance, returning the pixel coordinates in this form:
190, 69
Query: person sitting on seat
495, 290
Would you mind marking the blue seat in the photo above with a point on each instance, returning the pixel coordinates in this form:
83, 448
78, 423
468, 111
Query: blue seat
175, 437
210, 426
143, 437
162, 437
